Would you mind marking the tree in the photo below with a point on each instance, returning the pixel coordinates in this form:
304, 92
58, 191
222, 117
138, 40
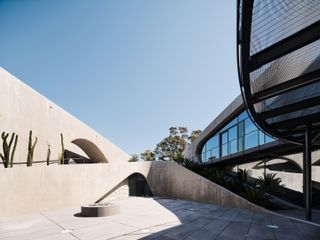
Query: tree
194, 135
134, 158
171, 148
148, 155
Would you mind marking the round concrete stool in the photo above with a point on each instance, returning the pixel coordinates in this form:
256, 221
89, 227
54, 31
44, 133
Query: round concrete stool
100, 210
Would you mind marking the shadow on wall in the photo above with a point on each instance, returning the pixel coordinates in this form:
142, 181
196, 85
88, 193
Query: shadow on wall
288, 165
93, 152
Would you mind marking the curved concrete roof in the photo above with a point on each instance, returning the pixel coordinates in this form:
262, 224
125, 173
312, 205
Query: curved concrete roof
92, 150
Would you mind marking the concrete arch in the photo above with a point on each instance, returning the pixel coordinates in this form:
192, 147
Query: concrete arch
138, 185
91, 149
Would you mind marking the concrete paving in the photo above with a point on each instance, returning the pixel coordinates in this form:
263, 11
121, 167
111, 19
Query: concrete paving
158, 218
300, 214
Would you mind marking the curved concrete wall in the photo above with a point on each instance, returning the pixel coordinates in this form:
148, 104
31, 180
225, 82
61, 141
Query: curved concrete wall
23, 109
39, 188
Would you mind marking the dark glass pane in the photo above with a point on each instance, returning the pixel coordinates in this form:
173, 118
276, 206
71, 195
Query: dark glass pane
233, 133
261, 137
203, 157
240, 128
208, 154
224, 149
224, 137
230, 124
251, 140
209, 144
215, 153
213, 142
241, 143
233, 146
269, 139
243, 116
249, 126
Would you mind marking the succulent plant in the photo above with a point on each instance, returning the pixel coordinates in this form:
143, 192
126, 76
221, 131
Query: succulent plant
31, 147
7, 156
62, 149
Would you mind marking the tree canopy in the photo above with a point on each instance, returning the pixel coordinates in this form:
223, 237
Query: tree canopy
171, 147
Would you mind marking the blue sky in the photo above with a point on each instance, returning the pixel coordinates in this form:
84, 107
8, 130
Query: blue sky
129, 69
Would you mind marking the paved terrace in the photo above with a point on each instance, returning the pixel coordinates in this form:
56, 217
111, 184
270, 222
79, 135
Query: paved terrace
147, 218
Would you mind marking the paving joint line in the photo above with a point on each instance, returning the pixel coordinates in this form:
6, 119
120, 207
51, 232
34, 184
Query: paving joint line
47, 217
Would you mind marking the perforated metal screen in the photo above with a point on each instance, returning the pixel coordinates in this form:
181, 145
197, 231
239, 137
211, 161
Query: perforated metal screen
279, 64
274, 20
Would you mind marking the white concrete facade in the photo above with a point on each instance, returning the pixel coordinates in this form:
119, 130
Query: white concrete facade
23, 109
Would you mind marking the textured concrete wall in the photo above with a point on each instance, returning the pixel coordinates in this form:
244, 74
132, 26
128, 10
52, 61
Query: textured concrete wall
170, 179
23, 109
121, 191
40, 188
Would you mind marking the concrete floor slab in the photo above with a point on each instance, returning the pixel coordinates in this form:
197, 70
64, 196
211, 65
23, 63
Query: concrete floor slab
158, 218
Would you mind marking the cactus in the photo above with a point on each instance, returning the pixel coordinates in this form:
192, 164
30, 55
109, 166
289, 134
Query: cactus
31, 149
7, 156
48, 155
62, 149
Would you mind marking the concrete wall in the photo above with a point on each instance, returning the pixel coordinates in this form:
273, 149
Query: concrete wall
23, 109
121, 191
40, 188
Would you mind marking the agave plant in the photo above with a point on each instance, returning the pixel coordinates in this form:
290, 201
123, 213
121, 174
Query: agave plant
269, 182
244, 174
255, 195
216, 175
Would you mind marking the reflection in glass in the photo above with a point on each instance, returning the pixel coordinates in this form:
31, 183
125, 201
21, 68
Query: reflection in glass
251, 140
238, 135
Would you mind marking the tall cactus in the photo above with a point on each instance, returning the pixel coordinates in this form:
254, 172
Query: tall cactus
62, 149
48, 155
7, 156
31, 149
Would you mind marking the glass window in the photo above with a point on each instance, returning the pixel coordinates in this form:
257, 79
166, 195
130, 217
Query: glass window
224, 137
241, 143
249, 126
243, 116
215, 153
251, 140
233, 146
269, 139
238, 135
230, 124
203, 157
233, 133
261, 137
224, 149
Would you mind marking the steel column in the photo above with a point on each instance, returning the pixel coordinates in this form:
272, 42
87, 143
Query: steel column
307, 184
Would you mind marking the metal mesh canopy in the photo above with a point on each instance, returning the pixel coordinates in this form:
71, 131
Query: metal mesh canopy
279, 64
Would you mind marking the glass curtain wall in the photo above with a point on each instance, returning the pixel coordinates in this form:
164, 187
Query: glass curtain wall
238, 135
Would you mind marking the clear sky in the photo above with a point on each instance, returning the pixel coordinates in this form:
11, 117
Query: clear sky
129, 69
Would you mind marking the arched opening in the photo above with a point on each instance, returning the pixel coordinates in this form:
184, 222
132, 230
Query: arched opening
93, 152
138, 186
